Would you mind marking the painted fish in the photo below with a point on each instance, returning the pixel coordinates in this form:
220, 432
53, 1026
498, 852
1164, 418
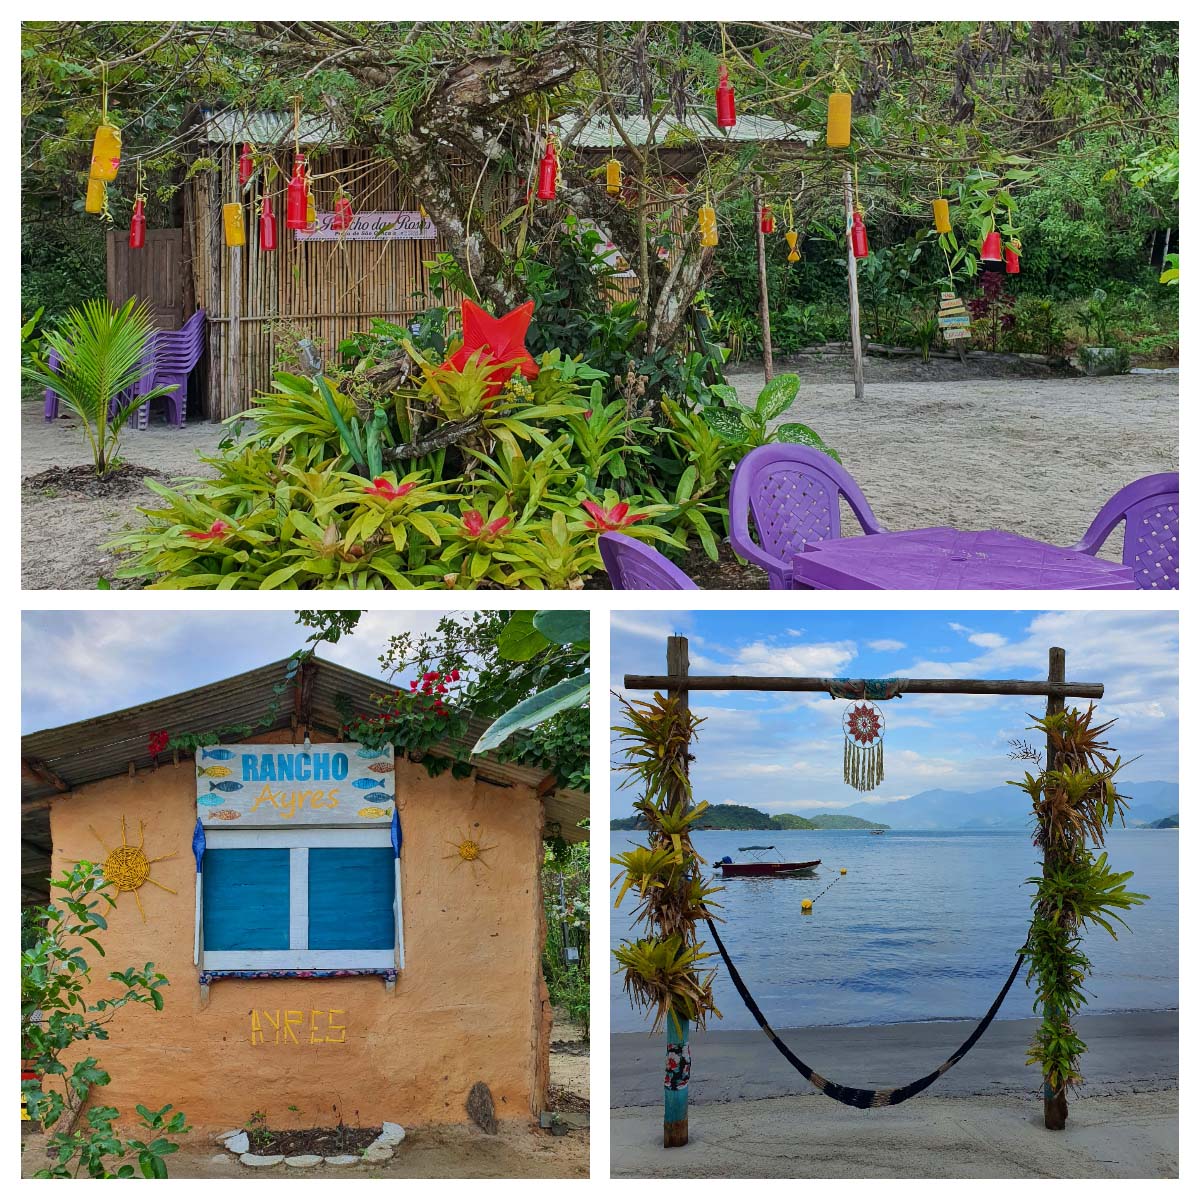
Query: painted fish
208, 801
365, 753
227, 814
378, 798
226, 785
374, 812
220, 754
363, 784
215, 772
381, 768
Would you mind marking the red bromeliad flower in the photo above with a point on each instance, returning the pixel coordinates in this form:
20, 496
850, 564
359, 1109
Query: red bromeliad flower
218, 529
501, 340
473, 526
388, 491
608, 520
158, 742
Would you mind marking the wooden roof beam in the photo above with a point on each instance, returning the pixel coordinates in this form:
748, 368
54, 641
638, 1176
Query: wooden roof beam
43, 774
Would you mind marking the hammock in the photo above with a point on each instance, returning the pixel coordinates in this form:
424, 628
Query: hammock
860, 1097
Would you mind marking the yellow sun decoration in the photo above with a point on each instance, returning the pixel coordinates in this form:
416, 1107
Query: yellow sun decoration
128, 866
469, 849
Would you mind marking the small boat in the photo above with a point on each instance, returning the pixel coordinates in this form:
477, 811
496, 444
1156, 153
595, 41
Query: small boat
878, 832
763, 866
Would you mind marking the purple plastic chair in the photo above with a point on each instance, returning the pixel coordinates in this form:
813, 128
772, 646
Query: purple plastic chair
632, 566
792, 493
1150, 509
51, 410
172, 353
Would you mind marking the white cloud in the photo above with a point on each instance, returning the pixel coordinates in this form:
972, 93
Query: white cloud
990, 641
886, 644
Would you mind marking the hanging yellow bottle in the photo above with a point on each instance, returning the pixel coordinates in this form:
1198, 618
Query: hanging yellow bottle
310, 212
837, 123
106, 153
792, 237
941, 216
235, 225
96, 191
612, 177
706, 218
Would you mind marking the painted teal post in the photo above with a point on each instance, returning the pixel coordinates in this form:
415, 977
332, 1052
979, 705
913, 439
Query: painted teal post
675, 1082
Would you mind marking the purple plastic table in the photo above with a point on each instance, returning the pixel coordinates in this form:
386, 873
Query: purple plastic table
942, 557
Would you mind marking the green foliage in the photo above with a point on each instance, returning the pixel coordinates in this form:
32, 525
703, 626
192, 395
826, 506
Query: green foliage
565, 956
100, 350
60, 1013
1074, 801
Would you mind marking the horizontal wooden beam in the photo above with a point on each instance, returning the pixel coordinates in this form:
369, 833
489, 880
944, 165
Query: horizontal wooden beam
932, 687
43, 774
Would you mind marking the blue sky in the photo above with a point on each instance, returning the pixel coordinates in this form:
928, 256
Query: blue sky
782, 752
82, 664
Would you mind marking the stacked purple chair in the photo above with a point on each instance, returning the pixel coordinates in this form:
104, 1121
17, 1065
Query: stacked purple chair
1150, 509
172, 355
792, 493
632, 566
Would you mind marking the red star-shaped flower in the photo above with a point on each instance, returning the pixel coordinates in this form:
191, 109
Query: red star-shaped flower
502, 341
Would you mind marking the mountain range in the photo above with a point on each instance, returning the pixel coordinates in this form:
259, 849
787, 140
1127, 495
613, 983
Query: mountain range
1004, 807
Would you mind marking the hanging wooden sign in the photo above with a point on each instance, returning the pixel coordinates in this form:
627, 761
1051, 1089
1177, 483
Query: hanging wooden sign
953, 318
370, 227
336, 783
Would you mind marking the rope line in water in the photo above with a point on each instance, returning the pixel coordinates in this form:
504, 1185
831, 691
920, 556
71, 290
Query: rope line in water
859, 1097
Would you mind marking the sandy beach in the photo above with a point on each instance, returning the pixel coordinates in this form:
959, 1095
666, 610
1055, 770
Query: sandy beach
752, 1115
930, 445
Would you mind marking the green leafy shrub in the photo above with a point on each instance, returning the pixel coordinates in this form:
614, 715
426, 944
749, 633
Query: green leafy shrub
59, 1013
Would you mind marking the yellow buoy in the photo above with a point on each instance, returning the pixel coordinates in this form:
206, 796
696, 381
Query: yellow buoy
612, 177
941, 216
806, 906
96, 191
837, 125
106, 153
235, 225
843, 870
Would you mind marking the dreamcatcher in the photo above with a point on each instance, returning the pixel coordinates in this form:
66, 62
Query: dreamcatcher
862, 765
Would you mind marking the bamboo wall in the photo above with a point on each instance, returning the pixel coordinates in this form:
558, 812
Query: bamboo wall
324, 290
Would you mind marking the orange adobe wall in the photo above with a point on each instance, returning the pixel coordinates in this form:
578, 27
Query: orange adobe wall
469, 1005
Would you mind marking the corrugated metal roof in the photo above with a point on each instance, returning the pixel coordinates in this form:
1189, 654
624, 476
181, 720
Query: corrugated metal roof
268, 129
104, 746
698, 127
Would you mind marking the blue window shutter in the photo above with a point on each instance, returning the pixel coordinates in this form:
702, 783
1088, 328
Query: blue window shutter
350, 894
247, 899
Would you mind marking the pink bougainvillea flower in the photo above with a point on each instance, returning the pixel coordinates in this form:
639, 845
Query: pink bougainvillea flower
502, 340
608, 520
218, 529
474, 527
388, 491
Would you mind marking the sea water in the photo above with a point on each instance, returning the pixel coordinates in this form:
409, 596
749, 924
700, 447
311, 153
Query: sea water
922, 927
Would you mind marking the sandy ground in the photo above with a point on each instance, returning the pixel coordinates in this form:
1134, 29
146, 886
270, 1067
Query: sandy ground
752, 1115
519, 1150
929, 444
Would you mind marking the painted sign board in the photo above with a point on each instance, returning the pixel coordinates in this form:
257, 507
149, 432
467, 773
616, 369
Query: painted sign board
371, 227
282, 786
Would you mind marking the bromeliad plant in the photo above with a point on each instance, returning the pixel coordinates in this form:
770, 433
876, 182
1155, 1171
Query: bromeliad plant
1075, 803
61, 1011
664, 969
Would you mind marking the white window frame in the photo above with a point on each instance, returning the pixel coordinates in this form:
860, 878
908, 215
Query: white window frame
299, 958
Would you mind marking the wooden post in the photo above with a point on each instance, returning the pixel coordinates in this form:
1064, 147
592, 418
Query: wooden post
1054, 1103
675, 1098
235, 366
852, 277
764, 301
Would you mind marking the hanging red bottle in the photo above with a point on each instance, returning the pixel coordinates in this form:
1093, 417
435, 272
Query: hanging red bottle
858, 237
726, 106
245, 165
990, 253
137, 225
766, 219
1012, 257
267, 237
297, 196
548, 174
343, 214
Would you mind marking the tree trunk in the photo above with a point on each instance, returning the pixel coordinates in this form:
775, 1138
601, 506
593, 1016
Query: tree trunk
852, 278
764, 300
1054, 1100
